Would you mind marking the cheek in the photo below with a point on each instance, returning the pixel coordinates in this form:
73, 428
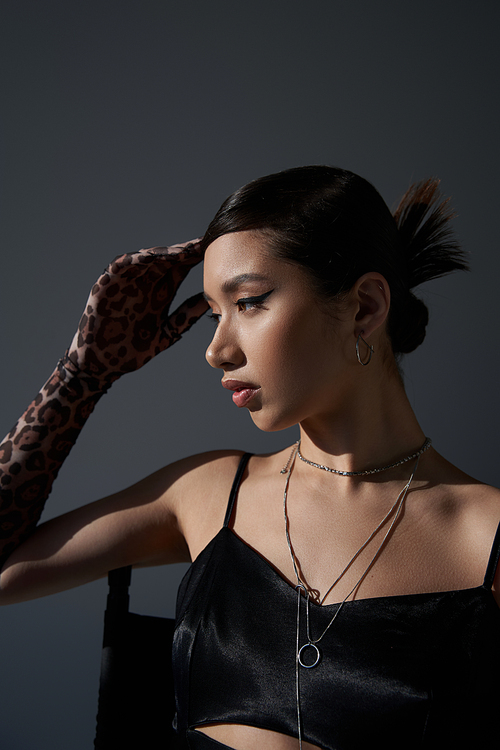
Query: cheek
301, 340
313, 361
294, 346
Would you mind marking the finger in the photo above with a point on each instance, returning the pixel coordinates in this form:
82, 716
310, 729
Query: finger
181, 251
190, 252
177, 261
191, 247
186, 315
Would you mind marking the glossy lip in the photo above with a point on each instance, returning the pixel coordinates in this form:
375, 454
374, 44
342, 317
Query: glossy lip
243, 392
237, 385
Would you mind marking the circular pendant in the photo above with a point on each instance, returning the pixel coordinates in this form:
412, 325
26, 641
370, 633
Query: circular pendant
309, 655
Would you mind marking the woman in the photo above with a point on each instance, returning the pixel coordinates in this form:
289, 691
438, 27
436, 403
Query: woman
344, 594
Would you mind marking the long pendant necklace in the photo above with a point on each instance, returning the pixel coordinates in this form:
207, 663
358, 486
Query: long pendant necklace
308, 655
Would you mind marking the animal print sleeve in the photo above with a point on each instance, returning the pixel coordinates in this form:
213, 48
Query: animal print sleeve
34, 450
126, 323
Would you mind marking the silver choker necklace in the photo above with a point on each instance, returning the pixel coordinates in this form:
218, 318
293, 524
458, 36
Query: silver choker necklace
365, 472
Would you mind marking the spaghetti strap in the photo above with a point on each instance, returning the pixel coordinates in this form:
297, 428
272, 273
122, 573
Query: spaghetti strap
493, 561
236, 484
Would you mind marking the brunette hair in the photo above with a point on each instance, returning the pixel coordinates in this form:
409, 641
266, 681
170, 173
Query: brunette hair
336, 226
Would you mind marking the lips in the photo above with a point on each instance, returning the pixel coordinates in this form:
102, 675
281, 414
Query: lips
242, 392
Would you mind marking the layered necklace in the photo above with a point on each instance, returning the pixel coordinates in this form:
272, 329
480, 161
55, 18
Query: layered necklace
308, 655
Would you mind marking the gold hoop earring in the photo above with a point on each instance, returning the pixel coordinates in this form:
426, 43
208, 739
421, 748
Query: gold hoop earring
370, 349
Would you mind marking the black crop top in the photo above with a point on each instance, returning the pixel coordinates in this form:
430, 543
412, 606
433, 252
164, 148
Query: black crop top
411, 671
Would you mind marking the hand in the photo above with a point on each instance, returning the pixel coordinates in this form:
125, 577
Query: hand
126, 320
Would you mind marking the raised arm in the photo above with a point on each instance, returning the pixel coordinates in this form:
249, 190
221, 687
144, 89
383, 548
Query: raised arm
126, 323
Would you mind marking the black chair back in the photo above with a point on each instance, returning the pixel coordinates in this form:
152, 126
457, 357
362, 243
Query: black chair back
136, 693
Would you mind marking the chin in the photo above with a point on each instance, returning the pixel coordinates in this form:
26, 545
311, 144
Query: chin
268, 423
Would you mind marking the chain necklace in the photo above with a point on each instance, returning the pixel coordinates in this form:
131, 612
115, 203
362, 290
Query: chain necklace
301, 652
363, 473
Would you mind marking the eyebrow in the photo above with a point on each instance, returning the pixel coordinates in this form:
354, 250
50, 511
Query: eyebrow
232, 284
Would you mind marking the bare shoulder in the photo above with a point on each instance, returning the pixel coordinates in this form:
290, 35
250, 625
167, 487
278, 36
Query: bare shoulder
207, 474
197, 468
199, 489
462, 513
481, 520
464, 492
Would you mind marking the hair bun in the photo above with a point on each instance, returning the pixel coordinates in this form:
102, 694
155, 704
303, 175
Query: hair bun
407, 328
430, 251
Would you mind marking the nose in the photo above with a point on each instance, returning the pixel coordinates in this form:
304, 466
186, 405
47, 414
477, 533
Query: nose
224, 351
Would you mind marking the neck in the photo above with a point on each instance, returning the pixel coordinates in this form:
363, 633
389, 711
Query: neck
374, 426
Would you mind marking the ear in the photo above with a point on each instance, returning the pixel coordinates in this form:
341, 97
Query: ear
372, 298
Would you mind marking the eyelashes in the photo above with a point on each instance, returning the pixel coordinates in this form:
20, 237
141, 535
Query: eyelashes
254, 301
245, 304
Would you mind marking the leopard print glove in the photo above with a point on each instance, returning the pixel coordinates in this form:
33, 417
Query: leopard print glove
126, 321
125, 324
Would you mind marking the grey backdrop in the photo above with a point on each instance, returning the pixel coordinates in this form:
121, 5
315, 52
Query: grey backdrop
125, 126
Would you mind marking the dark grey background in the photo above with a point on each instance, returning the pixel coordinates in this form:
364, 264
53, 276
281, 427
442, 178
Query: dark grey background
125, 126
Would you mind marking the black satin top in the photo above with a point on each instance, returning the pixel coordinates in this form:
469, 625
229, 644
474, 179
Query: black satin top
412, 671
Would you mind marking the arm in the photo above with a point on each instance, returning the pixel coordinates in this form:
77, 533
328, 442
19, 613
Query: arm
168, 517
125, 324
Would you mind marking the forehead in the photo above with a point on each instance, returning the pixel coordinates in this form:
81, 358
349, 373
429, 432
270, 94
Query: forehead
245, 261
242, 257
233, 251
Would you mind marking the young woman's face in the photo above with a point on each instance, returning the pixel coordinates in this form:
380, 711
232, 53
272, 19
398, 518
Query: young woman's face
284, 357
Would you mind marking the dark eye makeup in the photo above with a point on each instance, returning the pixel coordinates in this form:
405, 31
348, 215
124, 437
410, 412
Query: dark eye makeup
245, 302
258, 300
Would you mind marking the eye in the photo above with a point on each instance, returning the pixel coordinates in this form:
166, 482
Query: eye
248, 303
214, 317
